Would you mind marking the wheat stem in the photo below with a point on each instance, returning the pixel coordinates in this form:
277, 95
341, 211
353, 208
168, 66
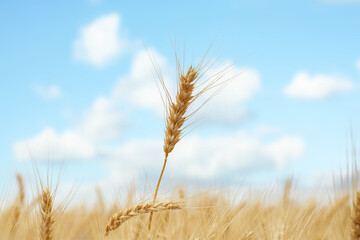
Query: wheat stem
156, 190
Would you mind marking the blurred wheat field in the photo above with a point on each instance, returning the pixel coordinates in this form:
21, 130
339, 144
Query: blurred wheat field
203, 215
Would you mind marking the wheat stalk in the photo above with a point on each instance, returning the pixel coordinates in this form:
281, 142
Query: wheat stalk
122, 216
47, 220
176, 118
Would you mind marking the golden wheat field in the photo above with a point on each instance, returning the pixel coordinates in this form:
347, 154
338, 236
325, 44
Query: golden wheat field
201, 215
220, 214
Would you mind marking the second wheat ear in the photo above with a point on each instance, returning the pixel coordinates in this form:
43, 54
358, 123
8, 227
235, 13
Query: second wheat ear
120, 217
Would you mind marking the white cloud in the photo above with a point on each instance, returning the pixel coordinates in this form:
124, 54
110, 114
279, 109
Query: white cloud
128, 159
217, 156
227, 107
48, 92
285, 149
304, 86
245, 82
139, 86
205, 158
100, 42
50, 145
101, 123
340, 179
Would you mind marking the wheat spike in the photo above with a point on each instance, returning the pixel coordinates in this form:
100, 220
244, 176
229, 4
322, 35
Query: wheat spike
122, 216
47, 221
20, 181
100, 199
19, 204
178, 109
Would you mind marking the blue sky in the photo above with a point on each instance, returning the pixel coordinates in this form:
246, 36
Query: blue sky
77, 89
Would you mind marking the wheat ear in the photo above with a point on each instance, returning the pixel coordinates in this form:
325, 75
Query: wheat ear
176, 118
47, 220
20, 181
178, 109
356, 218
122, 216
19, 203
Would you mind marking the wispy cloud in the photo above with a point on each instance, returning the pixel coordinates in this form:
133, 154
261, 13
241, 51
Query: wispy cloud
100, 41
304, 86
48, 92
138, 88
103, 121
